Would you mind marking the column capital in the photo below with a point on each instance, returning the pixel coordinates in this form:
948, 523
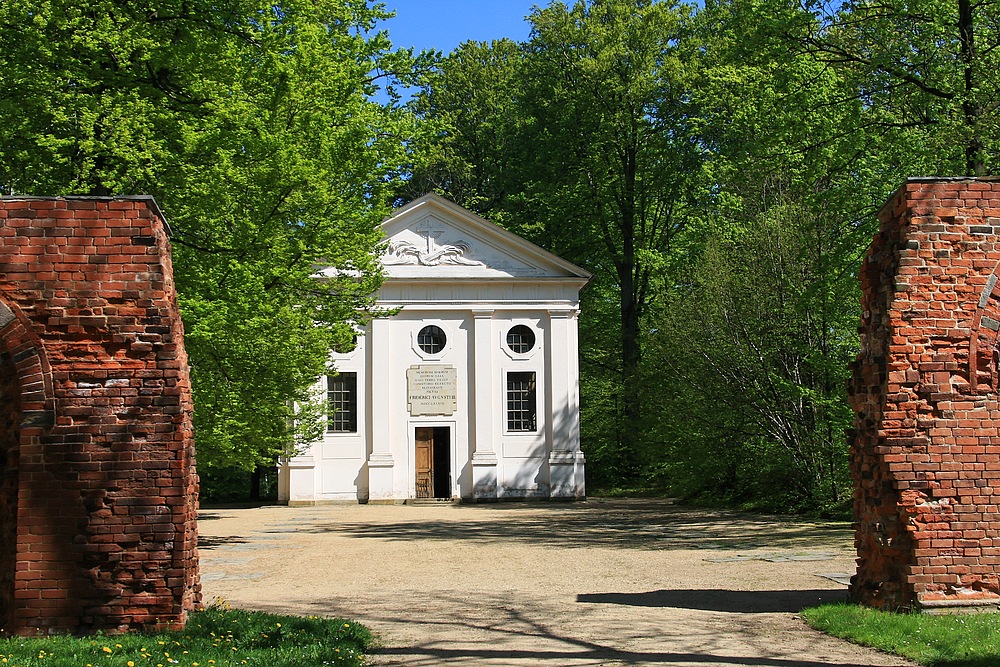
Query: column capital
563, 313
483, 313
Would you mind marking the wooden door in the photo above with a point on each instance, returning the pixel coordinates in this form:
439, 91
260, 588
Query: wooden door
424, 458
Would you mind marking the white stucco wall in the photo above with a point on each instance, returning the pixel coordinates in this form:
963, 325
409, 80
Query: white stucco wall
475, 282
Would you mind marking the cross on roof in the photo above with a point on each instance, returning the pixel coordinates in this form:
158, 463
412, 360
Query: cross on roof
431, 229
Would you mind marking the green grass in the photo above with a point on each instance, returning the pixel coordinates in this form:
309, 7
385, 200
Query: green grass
216, 637
961, 640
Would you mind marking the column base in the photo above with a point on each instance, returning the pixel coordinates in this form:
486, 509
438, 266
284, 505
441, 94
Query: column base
484, 476
566, 474
297, 480
380, 477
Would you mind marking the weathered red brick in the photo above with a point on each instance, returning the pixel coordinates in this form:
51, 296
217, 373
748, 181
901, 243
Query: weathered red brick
85, 492
925, 395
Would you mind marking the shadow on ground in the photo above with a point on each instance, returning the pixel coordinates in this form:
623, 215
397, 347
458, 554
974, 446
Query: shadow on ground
515, 636
206, 543
630, 524
738, 602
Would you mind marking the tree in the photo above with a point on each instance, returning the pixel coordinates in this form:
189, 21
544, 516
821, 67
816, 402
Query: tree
614, 168
755, 350
922, 63
469, 133
252, 124
756, 322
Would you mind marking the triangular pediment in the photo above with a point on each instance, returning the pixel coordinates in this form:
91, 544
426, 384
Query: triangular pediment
433, 238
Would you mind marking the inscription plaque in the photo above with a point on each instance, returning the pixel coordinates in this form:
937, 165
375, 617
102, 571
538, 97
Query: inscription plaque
431, 389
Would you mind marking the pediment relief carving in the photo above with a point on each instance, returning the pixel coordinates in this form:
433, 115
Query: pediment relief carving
432, 238
404, 252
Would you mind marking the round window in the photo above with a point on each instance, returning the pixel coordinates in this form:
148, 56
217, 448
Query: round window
431, 339
520, 339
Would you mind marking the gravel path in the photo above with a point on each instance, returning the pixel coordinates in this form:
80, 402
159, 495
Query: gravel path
606, 582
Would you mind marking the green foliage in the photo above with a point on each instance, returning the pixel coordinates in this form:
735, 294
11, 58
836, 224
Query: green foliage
216, 637
719, 171
940, 641
578, 140
253, 126
757, 350
927, 64
235, 485
614, 167
468, 139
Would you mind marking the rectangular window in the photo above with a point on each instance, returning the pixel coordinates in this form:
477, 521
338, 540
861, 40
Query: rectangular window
342, 400
521, 401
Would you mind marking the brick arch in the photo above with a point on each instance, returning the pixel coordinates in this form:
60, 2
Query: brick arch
28, 356
26, 411
983, 352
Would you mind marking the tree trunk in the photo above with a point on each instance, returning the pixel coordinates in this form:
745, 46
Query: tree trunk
631, 309
974, 163
255, 479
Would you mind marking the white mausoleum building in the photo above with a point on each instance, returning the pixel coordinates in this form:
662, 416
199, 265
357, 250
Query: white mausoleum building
471, 389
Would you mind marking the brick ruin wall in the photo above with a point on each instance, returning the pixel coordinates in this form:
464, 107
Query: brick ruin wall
97, 478
925, 450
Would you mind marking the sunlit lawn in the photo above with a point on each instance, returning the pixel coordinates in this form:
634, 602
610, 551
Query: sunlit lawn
964, 640
216, 637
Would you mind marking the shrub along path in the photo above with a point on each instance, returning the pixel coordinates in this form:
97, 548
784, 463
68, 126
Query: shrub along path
606, 582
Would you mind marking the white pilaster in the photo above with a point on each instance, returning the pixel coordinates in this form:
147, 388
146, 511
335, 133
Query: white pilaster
380, 461
566, 461
484, 457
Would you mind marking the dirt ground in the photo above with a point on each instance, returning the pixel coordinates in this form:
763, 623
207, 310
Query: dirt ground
605, 582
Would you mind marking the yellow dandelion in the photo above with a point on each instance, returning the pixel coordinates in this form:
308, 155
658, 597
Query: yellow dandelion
278, 624
194, 664
106, 649
130, 663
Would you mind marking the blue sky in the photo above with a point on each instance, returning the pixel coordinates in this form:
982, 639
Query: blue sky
444, 24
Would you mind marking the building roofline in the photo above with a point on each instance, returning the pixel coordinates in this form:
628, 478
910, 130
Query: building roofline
490, 227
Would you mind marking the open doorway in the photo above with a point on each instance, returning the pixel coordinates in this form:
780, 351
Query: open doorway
433, 461
10, 423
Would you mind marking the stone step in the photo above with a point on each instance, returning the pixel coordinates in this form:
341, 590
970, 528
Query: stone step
431, 502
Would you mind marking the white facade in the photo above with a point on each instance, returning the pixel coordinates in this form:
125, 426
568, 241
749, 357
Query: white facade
485, 406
